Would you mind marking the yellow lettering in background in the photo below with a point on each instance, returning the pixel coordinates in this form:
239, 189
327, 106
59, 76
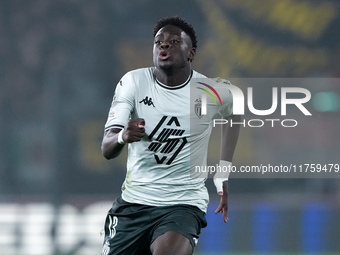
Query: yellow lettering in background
305, 19
228, 51
233, 51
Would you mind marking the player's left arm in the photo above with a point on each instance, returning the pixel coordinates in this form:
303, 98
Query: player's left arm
229, 139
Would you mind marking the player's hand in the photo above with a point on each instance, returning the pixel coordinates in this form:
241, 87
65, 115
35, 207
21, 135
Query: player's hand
223, 207
134, 131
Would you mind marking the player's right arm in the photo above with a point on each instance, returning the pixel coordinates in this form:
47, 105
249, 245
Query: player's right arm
120, 128
112, 145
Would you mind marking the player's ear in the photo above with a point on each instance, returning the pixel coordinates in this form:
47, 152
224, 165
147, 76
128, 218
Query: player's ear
191, 54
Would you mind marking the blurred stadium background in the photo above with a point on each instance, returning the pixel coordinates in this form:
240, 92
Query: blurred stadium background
59, 64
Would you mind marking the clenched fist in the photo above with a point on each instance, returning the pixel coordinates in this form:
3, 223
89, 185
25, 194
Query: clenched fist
134, 130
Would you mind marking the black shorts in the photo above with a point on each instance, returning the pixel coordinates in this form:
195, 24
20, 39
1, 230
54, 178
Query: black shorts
131, 228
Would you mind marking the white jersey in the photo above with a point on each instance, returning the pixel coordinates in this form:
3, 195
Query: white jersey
176, 138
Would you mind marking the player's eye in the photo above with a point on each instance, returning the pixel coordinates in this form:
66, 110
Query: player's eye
158, 42
174, 41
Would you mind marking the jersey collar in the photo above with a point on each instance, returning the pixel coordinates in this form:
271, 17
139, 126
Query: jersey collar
175, 87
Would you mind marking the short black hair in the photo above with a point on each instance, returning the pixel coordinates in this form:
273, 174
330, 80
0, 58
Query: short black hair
178, 22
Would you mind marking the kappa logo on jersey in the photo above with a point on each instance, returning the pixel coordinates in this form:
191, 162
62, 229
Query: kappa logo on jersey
147, 101
169, 142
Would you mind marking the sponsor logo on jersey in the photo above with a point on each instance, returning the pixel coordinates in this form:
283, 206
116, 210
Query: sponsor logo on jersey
168, 140
147, 101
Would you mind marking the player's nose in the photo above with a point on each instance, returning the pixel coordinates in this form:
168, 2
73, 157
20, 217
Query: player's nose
165, 45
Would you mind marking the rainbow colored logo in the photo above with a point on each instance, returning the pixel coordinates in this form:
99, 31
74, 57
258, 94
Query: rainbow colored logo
209, 93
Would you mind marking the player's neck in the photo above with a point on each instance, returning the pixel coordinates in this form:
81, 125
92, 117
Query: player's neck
172, 78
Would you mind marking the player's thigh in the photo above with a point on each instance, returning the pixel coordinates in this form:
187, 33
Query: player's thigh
171, 243
177, 230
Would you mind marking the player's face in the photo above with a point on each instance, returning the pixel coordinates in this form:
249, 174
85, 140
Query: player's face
172, 48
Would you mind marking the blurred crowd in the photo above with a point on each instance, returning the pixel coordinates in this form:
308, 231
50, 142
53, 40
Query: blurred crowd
53, 57
45, 40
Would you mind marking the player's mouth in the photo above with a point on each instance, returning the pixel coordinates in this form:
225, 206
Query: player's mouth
164, 55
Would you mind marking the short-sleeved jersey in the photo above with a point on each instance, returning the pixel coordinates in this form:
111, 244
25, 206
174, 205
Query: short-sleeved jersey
176, 138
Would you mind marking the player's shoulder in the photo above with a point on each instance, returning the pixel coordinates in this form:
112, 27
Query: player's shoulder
221, 80
196, 74
139, 74
213, 80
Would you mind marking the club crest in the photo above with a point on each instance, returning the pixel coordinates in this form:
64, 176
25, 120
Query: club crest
198, 107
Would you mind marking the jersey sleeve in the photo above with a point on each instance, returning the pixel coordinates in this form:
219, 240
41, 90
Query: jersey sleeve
122, 103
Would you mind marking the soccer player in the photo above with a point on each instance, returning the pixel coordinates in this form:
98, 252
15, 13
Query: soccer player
162, 206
